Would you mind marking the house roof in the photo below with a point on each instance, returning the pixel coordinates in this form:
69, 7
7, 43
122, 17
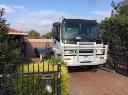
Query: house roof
16, 32
38, 40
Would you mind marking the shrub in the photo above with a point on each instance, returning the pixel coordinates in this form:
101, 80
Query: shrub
9, 56
116, 26
25, 84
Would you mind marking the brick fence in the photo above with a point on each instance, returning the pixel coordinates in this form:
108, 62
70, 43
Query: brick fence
31, 44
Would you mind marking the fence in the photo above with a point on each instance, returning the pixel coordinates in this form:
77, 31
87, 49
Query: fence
31, 44
32, 79
118, 61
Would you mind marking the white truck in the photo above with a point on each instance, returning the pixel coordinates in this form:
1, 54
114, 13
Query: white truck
78, 42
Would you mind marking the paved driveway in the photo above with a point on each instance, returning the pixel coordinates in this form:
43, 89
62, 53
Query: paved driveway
98, 83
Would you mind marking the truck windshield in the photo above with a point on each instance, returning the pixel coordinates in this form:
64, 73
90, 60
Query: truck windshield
82, 31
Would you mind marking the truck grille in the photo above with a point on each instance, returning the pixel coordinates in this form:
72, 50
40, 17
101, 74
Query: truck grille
86, 51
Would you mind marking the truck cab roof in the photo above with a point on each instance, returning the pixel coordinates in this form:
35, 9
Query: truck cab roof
76, 20
82, 20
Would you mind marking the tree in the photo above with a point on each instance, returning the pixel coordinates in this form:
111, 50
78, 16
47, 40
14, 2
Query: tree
120, 8
116, 31
116, 27
48, 35
9, 55
33, 34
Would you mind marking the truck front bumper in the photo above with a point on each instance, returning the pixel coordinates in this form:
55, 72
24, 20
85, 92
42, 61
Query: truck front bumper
72, 61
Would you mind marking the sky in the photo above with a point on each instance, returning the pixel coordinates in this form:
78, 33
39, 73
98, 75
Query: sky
39, 15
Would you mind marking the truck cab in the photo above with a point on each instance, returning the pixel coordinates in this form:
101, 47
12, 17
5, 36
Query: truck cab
78, 42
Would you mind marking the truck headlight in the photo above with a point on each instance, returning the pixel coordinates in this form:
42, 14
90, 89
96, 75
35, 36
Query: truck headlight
69, 52
99, 51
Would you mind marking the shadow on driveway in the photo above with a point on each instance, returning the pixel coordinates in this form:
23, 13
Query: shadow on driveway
79, 69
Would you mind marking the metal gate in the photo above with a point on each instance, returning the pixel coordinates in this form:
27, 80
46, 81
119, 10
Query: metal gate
118, 61
32, 79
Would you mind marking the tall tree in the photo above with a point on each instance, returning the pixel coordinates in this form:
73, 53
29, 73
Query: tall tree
120, 8
9, 55
116, 27
33, 34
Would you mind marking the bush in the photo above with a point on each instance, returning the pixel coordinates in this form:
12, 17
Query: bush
9, 56
26, 83
116, 27
116, 32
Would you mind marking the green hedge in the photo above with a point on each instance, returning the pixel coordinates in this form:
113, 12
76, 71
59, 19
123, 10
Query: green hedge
25, 82
115, 31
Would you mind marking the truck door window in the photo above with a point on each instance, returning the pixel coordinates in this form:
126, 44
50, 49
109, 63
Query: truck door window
57, 33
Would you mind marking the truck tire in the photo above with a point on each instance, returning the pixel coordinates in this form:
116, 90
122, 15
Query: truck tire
93, 68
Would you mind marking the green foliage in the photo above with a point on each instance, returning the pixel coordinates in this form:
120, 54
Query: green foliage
33, 34
116, 28
116, 31
48, 35
24, 82
9, 55
120, 8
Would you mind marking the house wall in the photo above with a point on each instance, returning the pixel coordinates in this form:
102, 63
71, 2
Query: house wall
31, 44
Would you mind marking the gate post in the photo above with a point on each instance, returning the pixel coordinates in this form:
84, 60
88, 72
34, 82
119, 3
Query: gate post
59, 79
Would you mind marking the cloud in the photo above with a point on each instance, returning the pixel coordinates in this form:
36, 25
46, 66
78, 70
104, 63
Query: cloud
42, 29
7, 8
46, 13
46, 22
21, 20
13, 9
19, 7
102, 13
40, 20
52, 14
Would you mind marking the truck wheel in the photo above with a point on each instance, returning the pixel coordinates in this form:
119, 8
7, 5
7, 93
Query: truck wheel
70, 69
93, 68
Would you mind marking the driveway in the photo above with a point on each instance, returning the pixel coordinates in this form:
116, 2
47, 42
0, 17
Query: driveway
98, 83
